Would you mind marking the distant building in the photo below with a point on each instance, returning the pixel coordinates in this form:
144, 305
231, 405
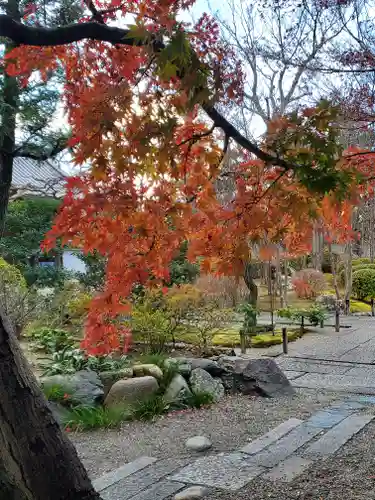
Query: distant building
43, 179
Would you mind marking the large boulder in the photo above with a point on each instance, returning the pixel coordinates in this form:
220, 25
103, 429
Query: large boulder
262, 376
148, 369
210, 366
202, 381
110, 377
83, 387
181, 365
177, 390
131, 390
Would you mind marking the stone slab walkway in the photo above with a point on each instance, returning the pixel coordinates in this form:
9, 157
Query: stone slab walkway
281, 454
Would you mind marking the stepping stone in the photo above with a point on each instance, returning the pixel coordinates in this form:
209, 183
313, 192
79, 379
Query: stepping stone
224, 471
192, 493
271, 436
122, 472
368, 400
159, 491
292, 374
346, 406
337, 437
285, 446
198, 443
288, 470
326, 419
132, 485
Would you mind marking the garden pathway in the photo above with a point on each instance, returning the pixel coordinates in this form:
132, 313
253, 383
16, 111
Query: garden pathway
282, 454
343, 361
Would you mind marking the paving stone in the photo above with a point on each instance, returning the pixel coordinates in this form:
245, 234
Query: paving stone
309, 367
326, 419
368, 400
337, 437
159, 491
191, 493
271, 436
127, 488
224, 471
292, 374
346, 405
335, 382
122, 472
285, 446
289, 469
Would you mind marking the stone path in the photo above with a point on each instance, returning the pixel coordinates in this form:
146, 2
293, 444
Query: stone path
335, 361
279, 455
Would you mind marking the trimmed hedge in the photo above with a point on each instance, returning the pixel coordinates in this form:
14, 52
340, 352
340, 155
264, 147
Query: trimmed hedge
364, 284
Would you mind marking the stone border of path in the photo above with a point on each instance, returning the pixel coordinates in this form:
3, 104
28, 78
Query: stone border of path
279, 455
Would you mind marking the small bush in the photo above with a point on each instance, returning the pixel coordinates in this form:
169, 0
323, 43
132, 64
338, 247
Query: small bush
71, 360
199, 399
47, 276
308, 283
84, 418
224, 291
361, 260
50, 339
364, 284
148, 409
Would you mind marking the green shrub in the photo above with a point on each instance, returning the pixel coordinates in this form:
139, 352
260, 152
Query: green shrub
356, 267
315, 314
11, 275
364, 284
361, 260
87, 418
55, 392
72, 360
149, 408
199, 399
50, 339
47, 276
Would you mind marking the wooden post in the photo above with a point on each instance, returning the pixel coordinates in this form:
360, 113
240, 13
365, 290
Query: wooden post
372, 308
243, 343
347, 306
322, 323
302, 325
337, 318
285, 341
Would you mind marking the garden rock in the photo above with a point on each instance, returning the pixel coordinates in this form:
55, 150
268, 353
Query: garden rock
178, 389
59, 413
262, 376
131, 390
210, 366
198, 443
149, 369
84, 387
183, 366
110, 377
192, 493
202, 381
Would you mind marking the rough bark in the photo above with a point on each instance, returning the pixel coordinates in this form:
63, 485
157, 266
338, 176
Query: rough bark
10, 97
37, 460
249, 272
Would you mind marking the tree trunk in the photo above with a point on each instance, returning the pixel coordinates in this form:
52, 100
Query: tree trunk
10, 98
37, 460
334, 272
249, 281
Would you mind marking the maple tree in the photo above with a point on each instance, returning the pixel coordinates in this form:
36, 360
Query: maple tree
137, 99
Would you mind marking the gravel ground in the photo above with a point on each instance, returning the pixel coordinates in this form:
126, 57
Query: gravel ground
230, 424
347, 475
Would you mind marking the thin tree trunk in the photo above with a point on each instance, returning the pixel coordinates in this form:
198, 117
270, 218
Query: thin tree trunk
10, 98
251, 285
285, 284
37, 460
334, 271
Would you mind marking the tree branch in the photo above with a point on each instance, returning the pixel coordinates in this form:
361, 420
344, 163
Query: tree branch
48, 37
38, 36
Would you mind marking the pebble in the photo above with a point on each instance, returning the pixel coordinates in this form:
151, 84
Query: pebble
192, 493
198, 443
